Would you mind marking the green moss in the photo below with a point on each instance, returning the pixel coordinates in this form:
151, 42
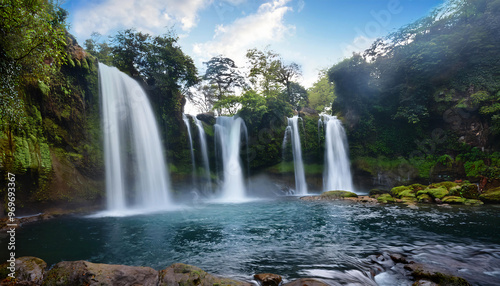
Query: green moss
71, 63
446, 184
491, 196
46, 160
436, 193
409, 200
209, 130
473, 202
45, 89
385, 198
85, 65
339, 194
454, 200
403, 191
424, 198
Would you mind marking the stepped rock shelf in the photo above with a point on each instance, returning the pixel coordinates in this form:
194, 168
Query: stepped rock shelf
34, 271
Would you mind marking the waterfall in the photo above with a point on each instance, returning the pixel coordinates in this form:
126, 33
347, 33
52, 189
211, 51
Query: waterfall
300, 178
228, 132
136, 173
204, 152
193, 162
337, 171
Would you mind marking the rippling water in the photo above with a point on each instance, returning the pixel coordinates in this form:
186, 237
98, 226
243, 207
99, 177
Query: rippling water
335, 241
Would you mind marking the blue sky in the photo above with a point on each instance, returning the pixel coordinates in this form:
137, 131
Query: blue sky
314, 34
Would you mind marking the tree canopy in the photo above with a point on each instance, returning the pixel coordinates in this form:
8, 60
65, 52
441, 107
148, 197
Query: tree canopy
445, 62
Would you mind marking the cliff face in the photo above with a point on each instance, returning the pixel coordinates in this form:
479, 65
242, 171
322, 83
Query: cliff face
56, 155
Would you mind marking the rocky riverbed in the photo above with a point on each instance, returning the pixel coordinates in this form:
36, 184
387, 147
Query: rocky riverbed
34, 271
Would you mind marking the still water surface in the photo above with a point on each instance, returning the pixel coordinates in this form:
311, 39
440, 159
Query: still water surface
328, 240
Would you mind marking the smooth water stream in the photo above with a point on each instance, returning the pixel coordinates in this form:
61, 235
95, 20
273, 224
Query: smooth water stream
287, 236
298, 163
337, 173
228, 134
137, 177
207, 185
190, 137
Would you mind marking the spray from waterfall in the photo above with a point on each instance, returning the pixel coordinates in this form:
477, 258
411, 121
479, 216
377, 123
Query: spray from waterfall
136, 174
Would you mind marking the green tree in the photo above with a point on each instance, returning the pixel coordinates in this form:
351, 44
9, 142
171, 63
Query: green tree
264, 68
32, 46
223, 73
321, 94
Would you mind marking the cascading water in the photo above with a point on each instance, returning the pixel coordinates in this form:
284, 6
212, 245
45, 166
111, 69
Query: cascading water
193, 162
300, 178
228, 132
337, 172
129, 126
207, 186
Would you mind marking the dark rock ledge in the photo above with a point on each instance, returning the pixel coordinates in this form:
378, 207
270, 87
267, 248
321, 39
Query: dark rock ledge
33, 271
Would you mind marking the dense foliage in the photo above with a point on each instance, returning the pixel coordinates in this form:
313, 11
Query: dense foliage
49, 108
427, 89
163, 68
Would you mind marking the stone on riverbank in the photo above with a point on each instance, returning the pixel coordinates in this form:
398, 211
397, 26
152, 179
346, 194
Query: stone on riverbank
29, 271
385, 198
188, 275
425, 272
87, 273
491, 196
268, 279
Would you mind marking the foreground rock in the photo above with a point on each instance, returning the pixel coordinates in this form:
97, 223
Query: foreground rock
87, 273
187, 275
28, 271
268, 279
422, 274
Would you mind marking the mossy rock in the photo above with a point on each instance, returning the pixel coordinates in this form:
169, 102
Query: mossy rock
421, 271
187, 275
453, 200
424, 198
403, 191
339, 194
446, 184
376, 192
491, 196
409, 200
385, 198
436, 193
473, 202
467, 190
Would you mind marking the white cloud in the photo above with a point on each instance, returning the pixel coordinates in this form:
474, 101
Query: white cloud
260, 28
148, 16
358, 45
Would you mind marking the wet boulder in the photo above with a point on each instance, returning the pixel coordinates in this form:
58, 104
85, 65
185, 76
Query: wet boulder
207, 117
28, 271
385, 198
491, 196
87, 273
268, 279
187, 275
